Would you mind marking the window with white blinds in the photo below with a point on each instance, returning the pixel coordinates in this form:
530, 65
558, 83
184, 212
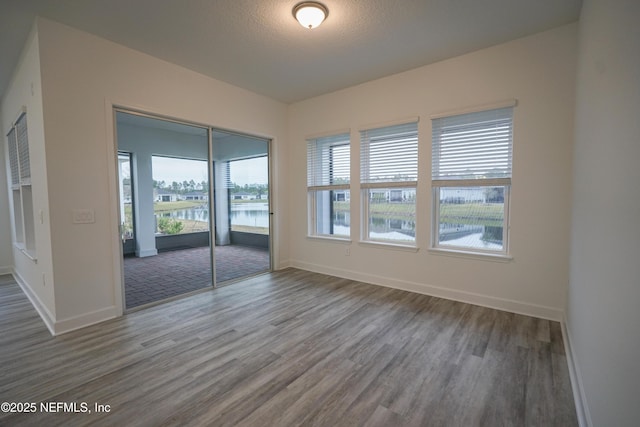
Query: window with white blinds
388, 180
13, 159
389, 156
23, 149
328, 177
471, 178
472, 146
328, 162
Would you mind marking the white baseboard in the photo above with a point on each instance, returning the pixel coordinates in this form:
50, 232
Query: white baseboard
86, 319
43, 311
283, 265
579, 397
57, 327
6, 270
503, 304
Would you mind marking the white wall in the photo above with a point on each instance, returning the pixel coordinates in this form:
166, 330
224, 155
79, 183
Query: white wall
603, 314
82, 77
25, 90
539, 71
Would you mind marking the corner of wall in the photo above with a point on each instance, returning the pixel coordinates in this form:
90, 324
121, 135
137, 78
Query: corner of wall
63, 326
579, 397
43, 311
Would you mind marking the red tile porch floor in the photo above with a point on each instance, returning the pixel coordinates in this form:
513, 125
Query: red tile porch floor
173, 273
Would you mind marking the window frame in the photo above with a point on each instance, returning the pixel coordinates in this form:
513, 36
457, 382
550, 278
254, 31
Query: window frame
439, 181
320, 178
369, 182
435, 245
22, 200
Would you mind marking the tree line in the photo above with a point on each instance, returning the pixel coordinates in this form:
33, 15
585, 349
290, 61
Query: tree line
203, 186
181, 187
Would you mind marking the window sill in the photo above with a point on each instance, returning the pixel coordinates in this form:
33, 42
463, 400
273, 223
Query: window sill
471, 255
392, 246
343, 240
31, 254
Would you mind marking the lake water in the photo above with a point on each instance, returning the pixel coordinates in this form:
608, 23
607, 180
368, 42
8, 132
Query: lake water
194, 214
257, 215
471, 236
248, 214
397, 230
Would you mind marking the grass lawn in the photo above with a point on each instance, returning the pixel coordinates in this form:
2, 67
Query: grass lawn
471, 213
405, 211
192, 226
250, 229
174, 206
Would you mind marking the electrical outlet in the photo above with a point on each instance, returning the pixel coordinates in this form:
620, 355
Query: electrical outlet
347, 251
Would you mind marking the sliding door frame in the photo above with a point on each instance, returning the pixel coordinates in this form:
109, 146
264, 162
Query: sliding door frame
268, 141
211, 205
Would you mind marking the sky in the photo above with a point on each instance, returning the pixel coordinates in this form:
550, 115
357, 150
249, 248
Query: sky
251, 171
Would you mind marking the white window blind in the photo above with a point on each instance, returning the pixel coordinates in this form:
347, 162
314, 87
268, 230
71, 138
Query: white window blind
328, 162
328, 176
389, 156
23, 149
224, 174
13, 158
473, 146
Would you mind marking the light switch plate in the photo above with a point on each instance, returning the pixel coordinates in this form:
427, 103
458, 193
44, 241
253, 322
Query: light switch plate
84, 216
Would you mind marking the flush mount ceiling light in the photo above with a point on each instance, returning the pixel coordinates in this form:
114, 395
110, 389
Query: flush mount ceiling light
310, 14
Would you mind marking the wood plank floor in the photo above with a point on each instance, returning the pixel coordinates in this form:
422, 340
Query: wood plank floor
285, 349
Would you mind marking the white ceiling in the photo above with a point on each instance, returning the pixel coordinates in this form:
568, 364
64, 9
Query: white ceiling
257, 44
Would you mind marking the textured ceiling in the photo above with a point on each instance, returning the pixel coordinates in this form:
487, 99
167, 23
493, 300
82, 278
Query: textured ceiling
257, 44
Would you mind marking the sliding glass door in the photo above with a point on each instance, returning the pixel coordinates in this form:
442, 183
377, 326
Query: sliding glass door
242, 208
164, 196
194, 207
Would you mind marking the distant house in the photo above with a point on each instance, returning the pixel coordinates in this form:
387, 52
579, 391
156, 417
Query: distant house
195, 195
243, 196
162, 195
341, 195
392, 195
457, 195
